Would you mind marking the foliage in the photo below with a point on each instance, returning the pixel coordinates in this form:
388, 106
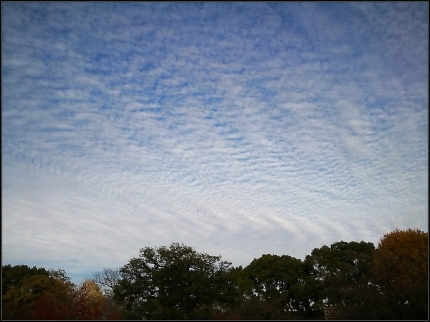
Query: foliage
280, 286
89, 301
343, 276
174, 283
13, 276
24, 297
401, 269
348, 280
49, 295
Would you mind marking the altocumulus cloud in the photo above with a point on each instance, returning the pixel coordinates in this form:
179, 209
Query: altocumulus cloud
236, 128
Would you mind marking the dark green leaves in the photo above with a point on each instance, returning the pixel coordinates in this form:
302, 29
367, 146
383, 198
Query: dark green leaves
174, 283
281, 280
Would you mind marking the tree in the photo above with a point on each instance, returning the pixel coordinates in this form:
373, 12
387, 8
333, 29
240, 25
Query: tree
174, 283
12, 276
401, 270
344, 277
26, 296
40, 294
88, 302
279, 287
107, 279
59, 275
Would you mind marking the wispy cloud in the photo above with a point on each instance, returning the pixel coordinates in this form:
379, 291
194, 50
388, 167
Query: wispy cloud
239, 129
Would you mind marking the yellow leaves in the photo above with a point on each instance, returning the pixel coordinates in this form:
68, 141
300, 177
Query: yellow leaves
91, 291
89, 301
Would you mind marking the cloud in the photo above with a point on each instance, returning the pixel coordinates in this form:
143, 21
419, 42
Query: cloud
239, 129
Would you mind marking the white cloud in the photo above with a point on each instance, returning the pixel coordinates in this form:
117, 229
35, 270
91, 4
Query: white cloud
284, 125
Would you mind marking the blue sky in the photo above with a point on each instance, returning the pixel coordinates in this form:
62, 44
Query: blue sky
236, 128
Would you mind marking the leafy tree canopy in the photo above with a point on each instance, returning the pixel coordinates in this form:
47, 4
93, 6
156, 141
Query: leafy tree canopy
343, 276
25, 288
401, 272
347, 280
174, 282
12, 276
281, 280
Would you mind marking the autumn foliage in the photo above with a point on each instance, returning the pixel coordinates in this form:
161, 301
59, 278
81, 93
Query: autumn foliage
37, 294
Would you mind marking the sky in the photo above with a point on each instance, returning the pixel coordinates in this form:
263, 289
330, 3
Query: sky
239, 129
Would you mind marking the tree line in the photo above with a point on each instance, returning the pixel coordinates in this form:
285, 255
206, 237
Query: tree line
346, 280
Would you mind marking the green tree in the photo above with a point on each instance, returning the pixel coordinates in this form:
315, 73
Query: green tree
401, 272
174, 282
12, 276
343, 273
278, 288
